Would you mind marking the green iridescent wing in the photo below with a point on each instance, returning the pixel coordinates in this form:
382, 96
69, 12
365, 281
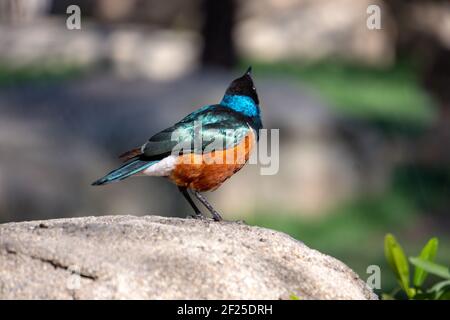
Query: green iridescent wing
213, 126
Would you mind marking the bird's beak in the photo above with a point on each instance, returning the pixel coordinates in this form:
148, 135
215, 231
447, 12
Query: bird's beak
249, 71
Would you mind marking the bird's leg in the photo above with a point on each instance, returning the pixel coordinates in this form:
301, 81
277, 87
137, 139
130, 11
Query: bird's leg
202, 199
198, 214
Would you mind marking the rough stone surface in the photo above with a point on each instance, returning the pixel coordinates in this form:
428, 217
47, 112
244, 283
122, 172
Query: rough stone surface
151, 257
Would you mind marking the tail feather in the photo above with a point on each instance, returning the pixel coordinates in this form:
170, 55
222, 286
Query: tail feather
124, 171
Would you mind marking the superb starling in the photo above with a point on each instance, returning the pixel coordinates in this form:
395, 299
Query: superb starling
196, 168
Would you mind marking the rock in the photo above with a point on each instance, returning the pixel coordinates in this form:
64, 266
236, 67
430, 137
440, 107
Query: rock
150, 257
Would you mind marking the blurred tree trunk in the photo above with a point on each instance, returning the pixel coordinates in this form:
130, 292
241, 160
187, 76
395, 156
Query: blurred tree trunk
422, 43
217, 33
418, 36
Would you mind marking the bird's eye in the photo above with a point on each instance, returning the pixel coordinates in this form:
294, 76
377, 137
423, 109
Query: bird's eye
254, 89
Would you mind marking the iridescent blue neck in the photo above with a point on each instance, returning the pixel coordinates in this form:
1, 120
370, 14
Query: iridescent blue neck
242, 104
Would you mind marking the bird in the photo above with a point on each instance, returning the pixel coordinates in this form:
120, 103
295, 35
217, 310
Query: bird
196, 168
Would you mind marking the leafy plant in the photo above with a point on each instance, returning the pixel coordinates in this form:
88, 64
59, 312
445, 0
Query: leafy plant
423, 265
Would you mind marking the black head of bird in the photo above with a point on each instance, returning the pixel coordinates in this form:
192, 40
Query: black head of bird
244, 86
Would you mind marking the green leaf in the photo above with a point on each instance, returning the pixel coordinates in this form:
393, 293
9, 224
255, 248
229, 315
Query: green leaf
431, 267
425, 296
386, 296
440, 286
441, 290
444, 295
294, 297
398, 263
428, 253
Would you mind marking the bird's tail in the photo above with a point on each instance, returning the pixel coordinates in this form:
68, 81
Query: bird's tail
123, 172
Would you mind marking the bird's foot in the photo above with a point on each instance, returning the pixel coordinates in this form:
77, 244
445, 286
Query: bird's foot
242, 222
216, 216
197, 216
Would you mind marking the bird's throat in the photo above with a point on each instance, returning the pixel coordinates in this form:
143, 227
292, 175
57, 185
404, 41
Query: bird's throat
242, 104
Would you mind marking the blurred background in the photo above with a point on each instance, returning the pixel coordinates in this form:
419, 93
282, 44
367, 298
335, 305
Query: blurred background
364, 115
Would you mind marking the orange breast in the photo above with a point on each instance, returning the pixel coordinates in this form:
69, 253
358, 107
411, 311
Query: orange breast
205, 172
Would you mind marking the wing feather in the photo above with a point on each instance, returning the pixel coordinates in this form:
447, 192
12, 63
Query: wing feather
217, 123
